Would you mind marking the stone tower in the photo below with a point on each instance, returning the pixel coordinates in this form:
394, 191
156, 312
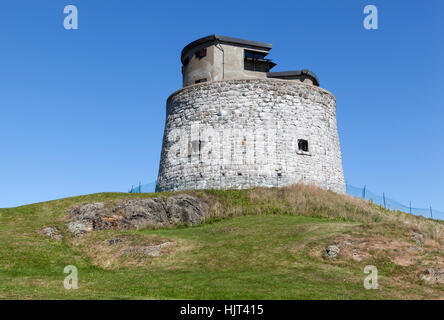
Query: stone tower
235, 124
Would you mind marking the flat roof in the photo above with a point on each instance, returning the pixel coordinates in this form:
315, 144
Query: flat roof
217, 37
289, 74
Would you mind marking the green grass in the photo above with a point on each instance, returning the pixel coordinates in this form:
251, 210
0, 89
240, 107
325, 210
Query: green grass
266, 247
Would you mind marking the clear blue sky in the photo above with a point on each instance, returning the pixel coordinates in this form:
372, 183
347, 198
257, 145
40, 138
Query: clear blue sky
83, 111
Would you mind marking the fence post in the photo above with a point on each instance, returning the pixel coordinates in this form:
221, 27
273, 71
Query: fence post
410, 207
140, 187
363, 192
431, 212
383, 196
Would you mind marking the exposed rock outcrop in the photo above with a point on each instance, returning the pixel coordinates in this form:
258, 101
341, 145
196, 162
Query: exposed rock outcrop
331, 251
115, 240
52, 232
138, 213
418, 237
433, 275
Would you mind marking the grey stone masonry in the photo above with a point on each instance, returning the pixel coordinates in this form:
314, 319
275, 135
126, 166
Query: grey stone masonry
245, 133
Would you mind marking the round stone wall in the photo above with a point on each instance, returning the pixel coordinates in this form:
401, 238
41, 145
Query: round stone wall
245, 133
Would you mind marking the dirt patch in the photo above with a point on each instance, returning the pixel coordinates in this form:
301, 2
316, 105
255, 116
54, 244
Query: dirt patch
126, 251
363, 248
153, 250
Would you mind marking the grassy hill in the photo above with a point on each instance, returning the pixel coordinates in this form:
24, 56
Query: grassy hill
257, 244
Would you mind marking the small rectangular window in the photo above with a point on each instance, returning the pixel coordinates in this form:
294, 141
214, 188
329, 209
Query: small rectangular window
201, 53
303, 145
201, 80
255, 61
254, 54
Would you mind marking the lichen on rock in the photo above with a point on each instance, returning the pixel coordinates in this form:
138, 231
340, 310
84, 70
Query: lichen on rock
331, 251
52, 232
138, 213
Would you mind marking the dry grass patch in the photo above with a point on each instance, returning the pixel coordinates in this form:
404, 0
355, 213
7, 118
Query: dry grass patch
115, 251
368, 247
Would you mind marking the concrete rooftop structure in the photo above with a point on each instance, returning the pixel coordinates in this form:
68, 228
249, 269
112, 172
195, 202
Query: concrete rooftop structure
216, 57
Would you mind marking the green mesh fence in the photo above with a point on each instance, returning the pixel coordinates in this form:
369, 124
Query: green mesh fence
388, 203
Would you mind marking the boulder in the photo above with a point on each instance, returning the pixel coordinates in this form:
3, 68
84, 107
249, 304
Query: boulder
78, 228
418, 237
52, 232
115, 240
331, 252
186, 209
433, 275
143, 212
